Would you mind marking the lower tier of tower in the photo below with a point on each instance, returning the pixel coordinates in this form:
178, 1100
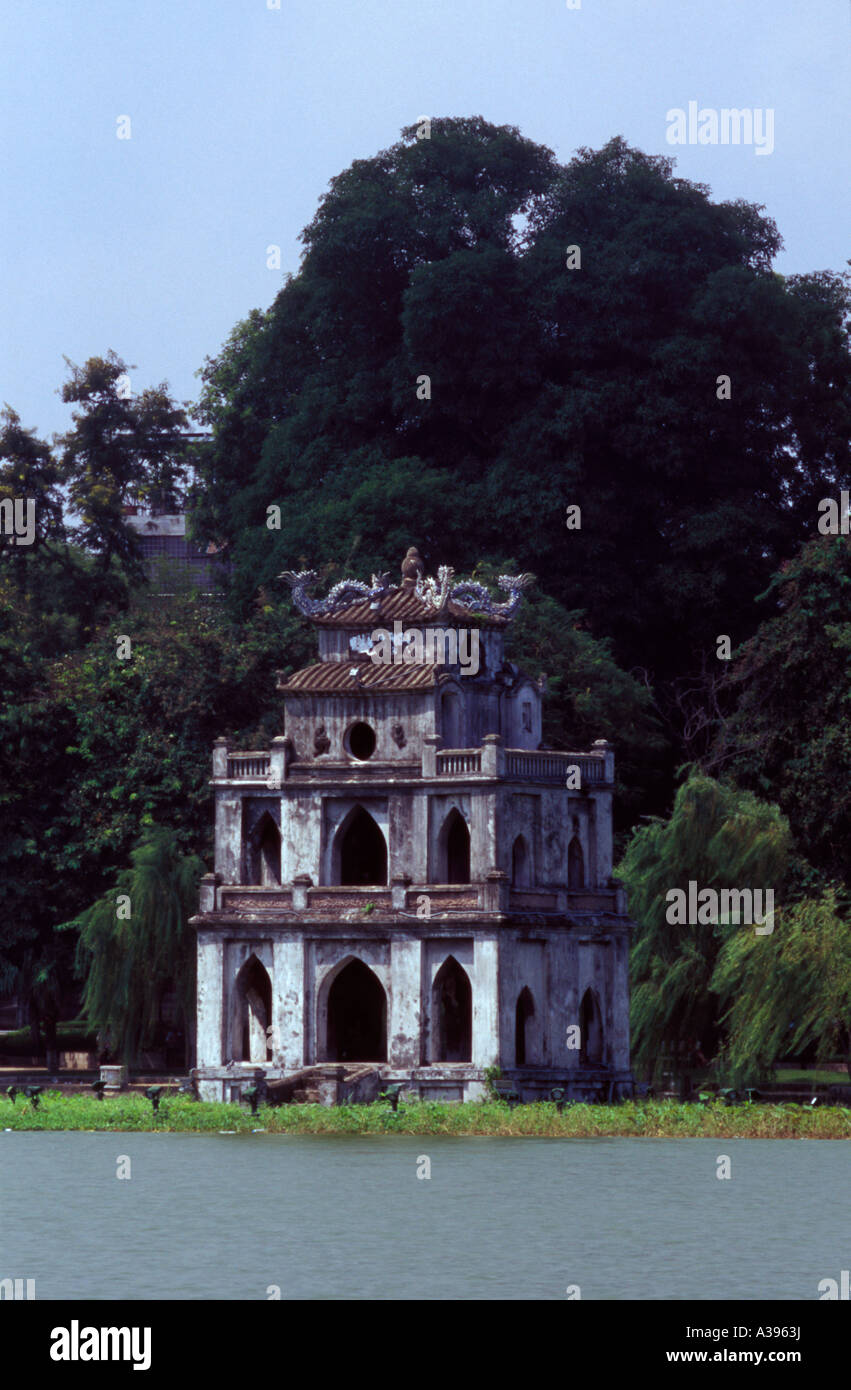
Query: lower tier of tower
431, 1005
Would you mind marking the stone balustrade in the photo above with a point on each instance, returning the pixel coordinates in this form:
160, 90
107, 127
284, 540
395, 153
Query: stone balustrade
491, 761
495, 894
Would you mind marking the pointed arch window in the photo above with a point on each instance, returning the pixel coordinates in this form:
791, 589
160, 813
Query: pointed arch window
591, 1041
453, 849
450, 719
357, 1016
523, 1016
575, 864
360, 851
452, 1013
265, 853
252, 1013
521, 869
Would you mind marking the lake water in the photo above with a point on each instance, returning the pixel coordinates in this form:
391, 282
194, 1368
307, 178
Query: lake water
338, 1217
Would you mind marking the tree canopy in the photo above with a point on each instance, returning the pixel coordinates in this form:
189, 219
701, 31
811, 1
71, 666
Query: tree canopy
595, 386
788, 733
718, 837
135, 944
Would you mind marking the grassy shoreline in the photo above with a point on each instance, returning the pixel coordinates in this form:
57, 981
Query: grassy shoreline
648, 1119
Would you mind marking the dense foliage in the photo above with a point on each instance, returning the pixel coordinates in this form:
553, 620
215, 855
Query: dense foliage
135, 945
718, 837
789, 734
443, 370
549, 387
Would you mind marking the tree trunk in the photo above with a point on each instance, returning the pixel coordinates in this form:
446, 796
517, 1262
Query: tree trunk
35, 1029
51, 1045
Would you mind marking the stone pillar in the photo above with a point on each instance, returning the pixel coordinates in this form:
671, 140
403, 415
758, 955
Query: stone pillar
556, 1015
210, 999
404, 1015
301, 883
602, 745
605, 845
220, 757
398, 891
431, 743
493, 756
570, 995
278, 763
485, 1002
484, 849
496, 890
619, 1050
207, 893
229, 836
288, 994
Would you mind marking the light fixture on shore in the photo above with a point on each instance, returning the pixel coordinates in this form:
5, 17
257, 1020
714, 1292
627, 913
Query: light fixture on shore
154, 1094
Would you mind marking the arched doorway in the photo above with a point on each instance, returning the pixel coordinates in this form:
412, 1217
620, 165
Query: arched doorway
590, 1029
575, 864
252, 1013
521, 874
266, 852
357, 1016
454, 850
523, 1015
452, 1013
361, 851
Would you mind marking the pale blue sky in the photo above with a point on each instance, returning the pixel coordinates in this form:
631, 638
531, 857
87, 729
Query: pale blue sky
241, 114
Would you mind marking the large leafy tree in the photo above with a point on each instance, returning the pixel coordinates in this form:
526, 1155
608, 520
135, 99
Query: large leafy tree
445, 257
123, 447
789, 736
94, 748
135, 945
790, 991
588, 697
718, 837
29, 479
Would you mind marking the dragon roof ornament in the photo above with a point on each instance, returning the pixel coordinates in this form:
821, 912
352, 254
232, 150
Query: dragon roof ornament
467, 593
434, 594
343, 594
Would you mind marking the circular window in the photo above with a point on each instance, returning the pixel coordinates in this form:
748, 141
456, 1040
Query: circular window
361, 741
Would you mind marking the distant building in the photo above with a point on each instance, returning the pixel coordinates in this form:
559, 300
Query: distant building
407, 878
174, 563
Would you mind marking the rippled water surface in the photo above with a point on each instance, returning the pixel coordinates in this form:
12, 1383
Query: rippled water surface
228, 1216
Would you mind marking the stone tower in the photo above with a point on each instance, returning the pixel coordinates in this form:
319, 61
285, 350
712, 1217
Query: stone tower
406, 877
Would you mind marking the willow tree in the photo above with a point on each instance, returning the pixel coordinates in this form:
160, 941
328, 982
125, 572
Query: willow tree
135, 944
719, 837
789, 991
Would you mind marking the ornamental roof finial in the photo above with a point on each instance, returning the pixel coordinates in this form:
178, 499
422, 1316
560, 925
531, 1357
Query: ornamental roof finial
412, 568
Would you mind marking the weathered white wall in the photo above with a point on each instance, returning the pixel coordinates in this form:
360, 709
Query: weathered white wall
412, 711
210, 999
